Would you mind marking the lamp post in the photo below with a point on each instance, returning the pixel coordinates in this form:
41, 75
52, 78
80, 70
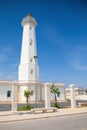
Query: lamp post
36, 98
35, 57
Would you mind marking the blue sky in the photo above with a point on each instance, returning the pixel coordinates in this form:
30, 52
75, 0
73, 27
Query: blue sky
61, 39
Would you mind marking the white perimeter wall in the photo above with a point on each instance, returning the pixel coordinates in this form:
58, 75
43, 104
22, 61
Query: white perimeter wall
61, 97
3, 93
79, 97
4, 89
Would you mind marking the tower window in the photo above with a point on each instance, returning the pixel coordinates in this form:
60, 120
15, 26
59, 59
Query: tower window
8, 93
31, 59
31, 42
31, 71
30, 27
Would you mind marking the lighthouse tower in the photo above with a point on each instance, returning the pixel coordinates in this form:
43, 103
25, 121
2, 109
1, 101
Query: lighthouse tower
28, 68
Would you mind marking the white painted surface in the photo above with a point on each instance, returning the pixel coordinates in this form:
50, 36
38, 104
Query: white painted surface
72, 91
14, 98
80, 93
22, 89
28, 51
47, 96
3, 93
28, 68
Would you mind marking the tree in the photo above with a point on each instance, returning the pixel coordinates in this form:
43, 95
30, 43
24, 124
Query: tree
56, 92
27, 94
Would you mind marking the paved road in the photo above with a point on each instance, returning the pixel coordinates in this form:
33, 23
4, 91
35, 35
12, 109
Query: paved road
72, 122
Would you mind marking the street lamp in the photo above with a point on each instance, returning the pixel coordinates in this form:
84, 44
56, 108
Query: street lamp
35, 57
36, 97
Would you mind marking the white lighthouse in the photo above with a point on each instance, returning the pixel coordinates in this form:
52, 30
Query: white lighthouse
28, 68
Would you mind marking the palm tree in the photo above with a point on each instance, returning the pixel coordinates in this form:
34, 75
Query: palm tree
27, 94
56, 92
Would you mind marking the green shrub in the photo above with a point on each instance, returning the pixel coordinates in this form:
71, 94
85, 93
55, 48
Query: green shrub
25, 108
56, 105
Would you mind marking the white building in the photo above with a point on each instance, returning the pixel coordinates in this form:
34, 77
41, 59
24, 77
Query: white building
80, 93
28, 74
5, 93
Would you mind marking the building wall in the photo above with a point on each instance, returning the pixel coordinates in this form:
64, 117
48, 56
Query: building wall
3, 93
78, 97
5, 89
80, 93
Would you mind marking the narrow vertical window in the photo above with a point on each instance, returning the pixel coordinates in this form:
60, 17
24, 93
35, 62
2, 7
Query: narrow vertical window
31, 42
31, 59
8, 93
30, 27
31, 71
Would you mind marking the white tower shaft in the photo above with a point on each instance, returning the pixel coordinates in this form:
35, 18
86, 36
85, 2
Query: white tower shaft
28, 68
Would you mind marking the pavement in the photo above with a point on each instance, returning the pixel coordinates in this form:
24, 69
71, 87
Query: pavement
10, 116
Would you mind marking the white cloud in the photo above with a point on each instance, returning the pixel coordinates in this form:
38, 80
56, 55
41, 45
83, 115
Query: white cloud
5, 52
13, 65
6, 48
9, 64
8, 75
77, 58
78, 65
